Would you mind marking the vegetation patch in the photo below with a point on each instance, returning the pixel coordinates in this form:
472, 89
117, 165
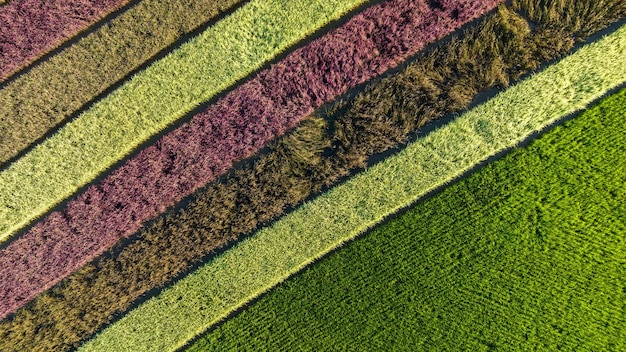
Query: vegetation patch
230, 280
235, 127
224, 211
31, 28
525, 254
54, 90
154, 98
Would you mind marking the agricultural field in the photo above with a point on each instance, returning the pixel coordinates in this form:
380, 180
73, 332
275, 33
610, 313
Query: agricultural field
312, 175
527, 252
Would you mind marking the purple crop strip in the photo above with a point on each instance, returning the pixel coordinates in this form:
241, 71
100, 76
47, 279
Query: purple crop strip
30, 28
235, 127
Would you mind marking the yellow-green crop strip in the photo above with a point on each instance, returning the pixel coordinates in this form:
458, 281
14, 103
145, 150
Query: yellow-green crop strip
153, 99
193, 304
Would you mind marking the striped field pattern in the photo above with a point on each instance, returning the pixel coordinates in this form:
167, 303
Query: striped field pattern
201, 174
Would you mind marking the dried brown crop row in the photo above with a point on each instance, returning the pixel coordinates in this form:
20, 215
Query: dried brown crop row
50, 93
496, 52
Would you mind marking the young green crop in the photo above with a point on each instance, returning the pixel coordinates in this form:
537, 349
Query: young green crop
152, 100
196, 302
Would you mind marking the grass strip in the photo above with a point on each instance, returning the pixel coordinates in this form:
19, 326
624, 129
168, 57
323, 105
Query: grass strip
499, 49
525, 254
55, 90
152, 99
199, 300
31, 28
235, 127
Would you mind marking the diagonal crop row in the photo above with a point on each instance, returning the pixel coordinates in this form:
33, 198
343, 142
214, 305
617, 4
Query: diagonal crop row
31, 28
534, 239
196, 302
234, 128
153, 99
499, 50
53, 91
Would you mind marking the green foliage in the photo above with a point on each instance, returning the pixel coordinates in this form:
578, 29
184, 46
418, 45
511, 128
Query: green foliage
270, 256
526, 254
153, 99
